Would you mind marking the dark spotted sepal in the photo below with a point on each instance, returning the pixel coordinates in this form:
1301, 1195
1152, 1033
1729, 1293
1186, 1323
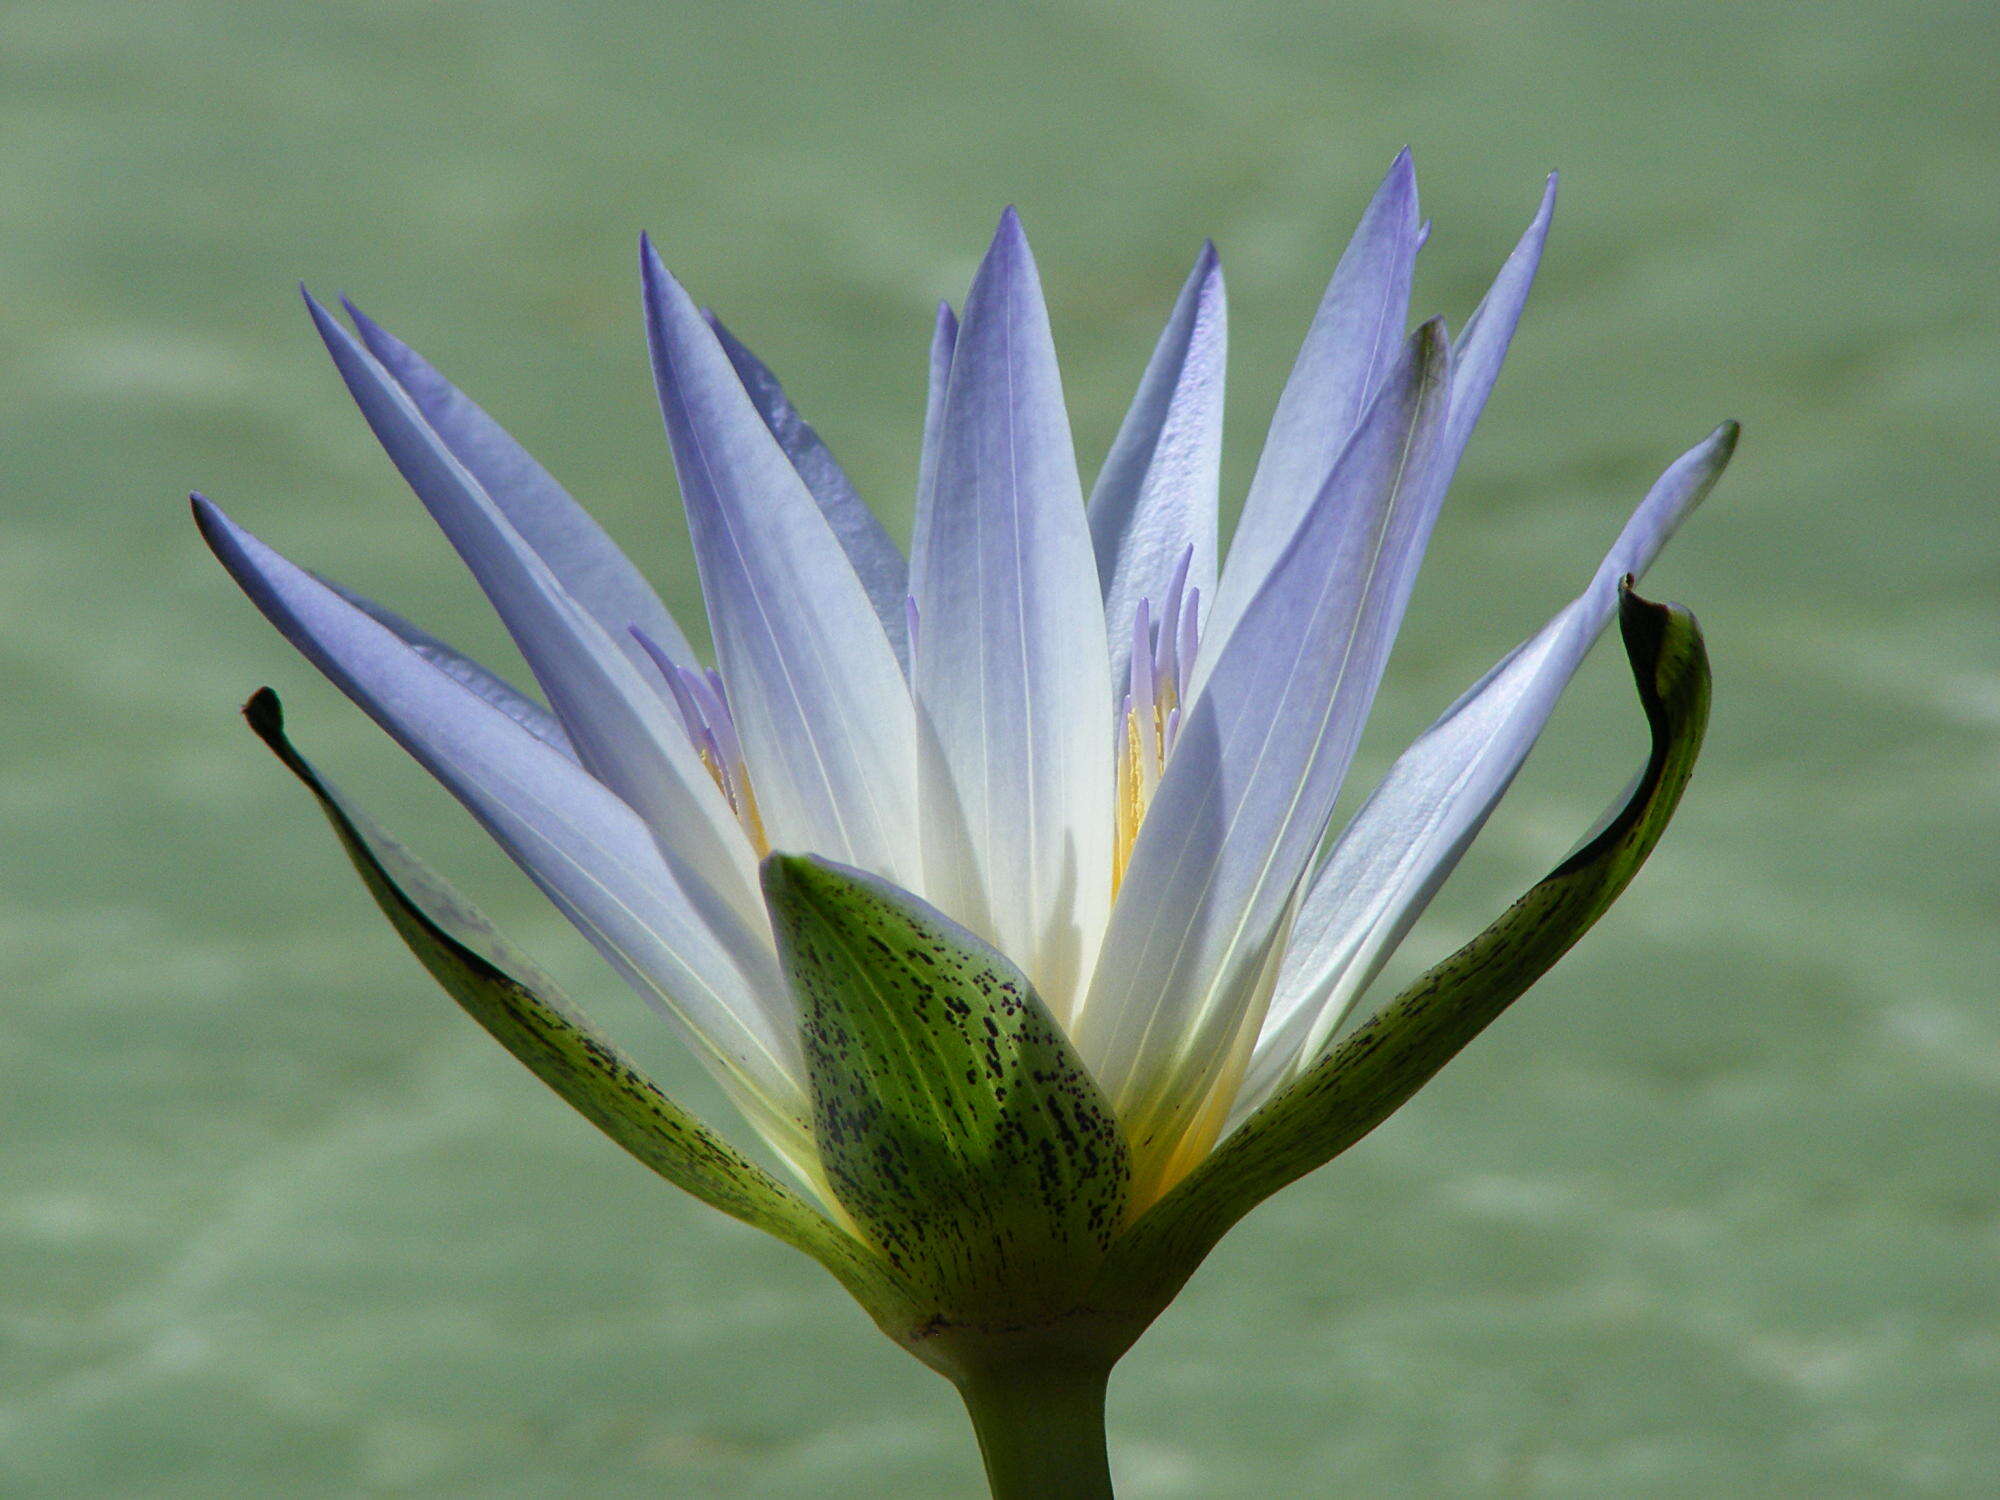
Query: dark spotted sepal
1368, 1075
954, 1121
504, 991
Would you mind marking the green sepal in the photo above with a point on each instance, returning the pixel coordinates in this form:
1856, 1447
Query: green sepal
955, 1123
507, 994
1369, 1074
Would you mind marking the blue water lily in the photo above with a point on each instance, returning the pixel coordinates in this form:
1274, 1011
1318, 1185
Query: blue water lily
992, 882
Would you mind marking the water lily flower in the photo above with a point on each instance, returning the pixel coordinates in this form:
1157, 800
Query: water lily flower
992, 882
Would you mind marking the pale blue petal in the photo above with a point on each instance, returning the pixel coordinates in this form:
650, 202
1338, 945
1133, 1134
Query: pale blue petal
1355, 336
578, 552
462, 669
1482, 344
1154, 503
1011, 671
1390, 861
649, 913
818, 698
944, 339
623, 729
1245, 799
877, 561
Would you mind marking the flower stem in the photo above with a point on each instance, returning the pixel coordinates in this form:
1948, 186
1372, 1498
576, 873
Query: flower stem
1041, 1430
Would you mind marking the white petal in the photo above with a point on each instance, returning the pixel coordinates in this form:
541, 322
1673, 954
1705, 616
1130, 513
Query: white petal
1011, 671
818, 697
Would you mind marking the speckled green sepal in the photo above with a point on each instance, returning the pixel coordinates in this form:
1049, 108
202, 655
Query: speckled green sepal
1378, 1066
503, 990
955, 1123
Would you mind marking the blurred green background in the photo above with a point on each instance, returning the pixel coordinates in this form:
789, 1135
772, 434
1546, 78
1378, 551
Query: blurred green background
1714, 1212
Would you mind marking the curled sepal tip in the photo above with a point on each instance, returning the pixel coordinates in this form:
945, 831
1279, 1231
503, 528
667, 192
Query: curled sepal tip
954, 1121
517, 1004
1368, 1075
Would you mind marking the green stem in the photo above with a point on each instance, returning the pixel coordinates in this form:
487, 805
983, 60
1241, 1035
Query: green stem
1041, 1430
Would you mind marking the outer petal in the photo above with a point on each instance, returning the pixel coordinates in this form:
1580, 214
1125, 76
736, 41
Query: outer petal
1011, 671
586, 561
1245, 798
647, 912
623, 730
1156, 496
1353, 340
462, 669
819, 700
877, 561
1408, 837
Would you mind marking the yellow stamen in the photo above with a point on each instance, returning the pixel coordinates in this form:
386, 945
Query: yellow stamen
1131, 803
1135, 786
752, 820
742, 799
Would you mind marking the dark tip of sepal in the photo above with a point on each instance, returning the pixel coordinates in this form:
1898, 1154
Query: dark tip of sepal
1641, 621
265, 715
1662, 641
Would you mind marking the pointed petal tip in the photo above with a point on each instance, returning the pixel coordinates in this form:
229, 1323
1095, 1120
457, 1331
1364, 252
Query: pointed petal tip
1207, 268
1400, 181
208, 517
663, 293
1010, 239
313, 305
333, 333
653, 272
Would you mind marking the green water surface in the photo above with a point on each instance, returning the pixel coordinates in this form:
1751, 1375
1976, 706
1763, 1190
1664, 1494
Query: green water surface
1715, 1212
